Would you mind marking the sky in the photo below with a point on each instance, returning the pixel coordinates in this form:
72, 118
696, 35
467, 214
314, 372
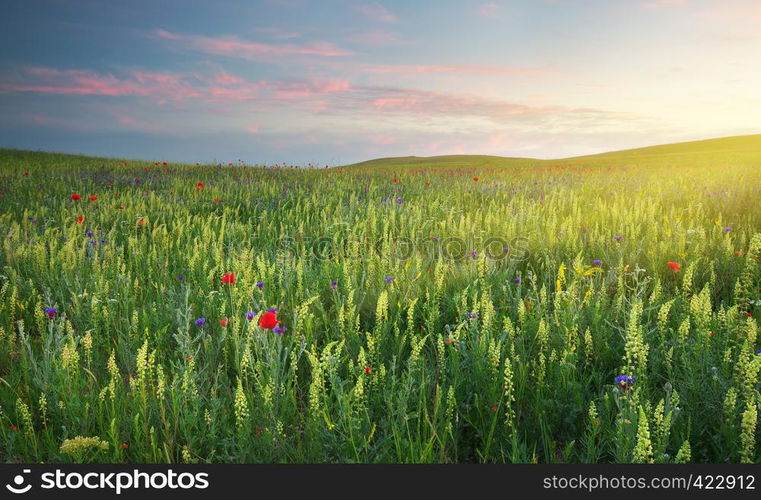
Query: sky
339, 81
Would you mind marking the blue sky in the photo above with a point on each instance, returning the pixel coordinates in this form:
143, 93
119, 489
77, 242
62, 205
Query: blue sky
338, 81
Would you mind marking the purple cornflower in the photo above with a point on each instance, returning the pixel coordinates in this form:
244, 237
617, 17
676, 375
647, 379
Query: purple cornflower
505, 249
517, 280
474, 253
617, 237
389, 279
90, 233
280, 330
435, 238
727, 229
200, 322
597, 262
416, 277
260, 284
180, 277
625, 381
758, 351
51, 312
399, 201
250, 315
472, 315
333, 285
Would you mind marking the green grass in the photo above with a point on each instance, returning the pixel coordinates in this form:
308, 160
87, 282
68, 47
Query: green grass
452, 361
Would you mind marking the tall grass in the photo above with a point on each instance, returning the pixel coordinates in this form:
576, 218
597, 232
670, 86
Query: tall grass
508, 354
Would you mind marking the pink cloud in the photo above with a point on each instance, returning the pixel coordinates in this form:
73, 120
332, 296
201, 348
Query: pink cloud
377, 12
659, 4
410, 69
488, 9
252, 129
234, 47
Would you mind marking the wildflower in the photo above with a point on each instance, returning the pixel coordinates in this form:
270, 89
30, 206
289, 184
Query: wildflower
416, 277
180, 278
223, 322
625, 381
389, 279
674, 266
163, 163
75, 197
217, 200
141, 222
333, 285
368, 369
123, 446
121, 207
738, 252
228, 279
597, 262
711, 334
494, 408
260, 284
200, 185
758, 351
517, 281
436, 238
250, 315
90, 234
26, 174
475, 178
80, 219
505, 249
474, 253
396, 180
727, 229
200, 322
268, 320
748, 314
51, 312
93, 198
427, 184
14, 427
280, 330
617, 238
399, 201
189, 358
472, 315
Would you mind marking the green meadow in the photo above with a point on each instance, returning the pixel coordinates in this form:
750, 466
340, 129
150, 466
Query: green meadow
402, 310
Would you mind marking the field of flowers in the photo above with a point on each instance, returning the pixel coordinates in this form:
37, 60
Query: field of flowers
459, 309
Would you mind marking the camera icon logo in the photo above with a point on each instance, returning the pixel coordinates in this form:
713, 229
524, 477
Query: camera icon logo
18, 481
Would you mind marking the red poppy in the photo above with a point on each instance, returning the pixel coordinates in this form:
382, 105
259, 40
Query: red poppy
268, 320
80, 219
475, 178
711, 334
125, 163
14, 427
190, 358
427, 183
163, 163
121, 207
748, 314
674, 266
493, 408
223, 322
228, 279
141, 222
123, 446
738, 252
396, 180
217, 200
155, 163
93, 198
199, 185
76, 197
26, 174
368, 369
